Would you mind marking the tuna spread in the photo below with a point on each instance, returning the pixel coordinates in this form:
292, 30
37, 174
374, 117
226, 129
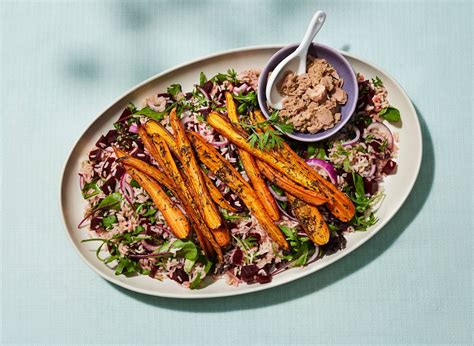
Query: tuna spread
312, 100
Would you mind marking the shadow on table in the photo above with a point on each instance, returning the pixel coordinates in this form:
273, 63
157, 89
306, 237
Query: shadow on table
329, 275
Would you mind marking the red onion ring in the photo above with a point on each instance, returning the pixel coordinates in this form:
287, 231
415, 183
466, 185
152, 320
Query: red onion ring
382, 131
283, 211
314, 257
149, 247
355, 139
372, 170
326, 166
243, 88
276, 195
126, 189
219, 144
205, 93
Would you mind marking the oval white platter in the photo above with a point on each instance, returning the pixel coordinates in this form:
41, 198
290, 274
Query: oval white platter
397, 187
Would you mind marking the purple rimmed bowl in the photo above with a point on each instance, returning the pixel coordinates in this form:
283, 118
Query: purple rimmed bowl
342, 67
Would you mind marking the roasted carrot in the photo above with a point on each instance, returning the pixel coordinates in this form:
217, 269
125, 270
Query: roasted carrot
221, 234
160, 152
161, 178
286, 184
288, 169
142, 166
174, 217
310, 219
155, 129
193, 171
229, 175
216, 195
338, 203
291, 165
216, 238
250, 167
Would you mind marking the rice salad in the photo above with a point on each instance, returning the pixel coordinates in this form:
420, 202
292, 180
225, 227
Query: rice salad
133, 237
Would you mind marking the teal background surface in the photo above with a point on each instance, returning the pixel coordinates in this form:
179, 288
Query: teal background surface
62, 62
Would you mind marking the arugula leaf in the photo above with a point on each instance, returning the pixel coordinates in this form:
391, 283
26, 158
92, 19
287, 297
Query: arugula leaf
188, 265
301, 256
174, 89
185, 249
227, 216
315, 151
246, 102
278, 190
230, 76
108, 221
112, 201
202, 79
134, 183
195, 283
90, 186
127, 267
149, 212
249, 242
150, 113
391, 114
358, 184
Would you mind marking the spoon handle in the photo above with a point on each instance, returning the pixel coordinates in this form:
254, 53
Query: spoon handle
313, 28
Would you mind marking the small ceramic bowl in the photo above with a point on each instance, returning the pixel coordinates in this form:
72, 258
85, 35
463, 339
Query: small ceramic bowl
342, 67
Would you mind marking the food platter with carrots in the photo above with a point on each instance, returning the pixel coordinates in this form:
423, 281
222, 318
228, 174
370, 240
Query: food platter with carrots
191, 189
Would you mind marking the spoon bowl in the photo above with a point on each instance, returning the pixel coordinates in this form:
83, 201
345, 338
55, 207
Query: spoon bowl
295, 62
343, 68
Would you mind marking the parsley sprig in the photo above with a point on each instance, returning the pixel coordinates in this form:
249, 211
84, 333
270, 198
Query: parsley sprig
268, 138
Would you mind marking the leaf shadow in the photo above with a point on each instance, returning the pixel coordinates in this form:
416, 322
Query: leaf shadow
326, 277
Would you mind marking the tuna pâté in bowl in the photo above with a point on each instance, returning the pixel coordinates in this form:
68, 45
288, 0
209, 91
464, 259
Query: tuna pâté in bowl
320, 102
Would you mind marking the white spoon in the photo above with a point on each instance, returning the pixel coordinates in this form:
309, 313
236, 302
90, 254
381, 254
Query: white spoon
295, 62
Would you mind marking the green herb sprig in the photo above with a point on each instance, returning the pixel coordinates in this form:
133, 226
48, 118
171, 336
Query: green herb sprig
269, 138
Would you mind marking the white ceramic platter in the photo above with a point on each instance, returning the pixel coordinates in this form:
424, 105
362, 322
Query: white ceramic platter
397, 187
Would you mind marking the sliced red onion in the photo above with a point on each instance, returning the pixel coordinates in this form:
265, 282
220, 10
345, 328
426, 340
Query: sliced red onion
149, 247
314, 257
277, 196
283, 211
81, 181
158, 254
187, 119
219, 144
326, 166
133, 128
379, 129
205, 93
355, 139
243, 88
372, 170
126, 189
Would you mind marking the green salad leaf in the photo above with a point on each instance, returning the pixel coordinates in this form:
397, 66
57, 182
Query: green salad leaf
134, 183
174, 89
202, 79
300, 247
108, 221
90, 189
150, 113
111, 201
391, 114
